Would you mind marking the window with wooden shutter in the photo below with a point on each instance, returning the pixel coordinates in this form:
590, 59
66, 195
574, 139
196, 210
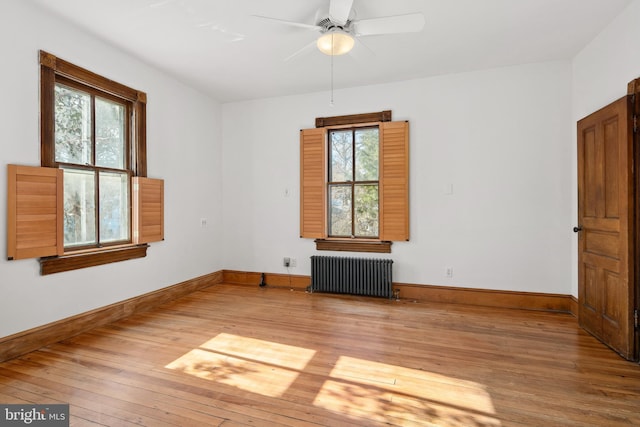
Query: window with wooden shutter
393, 181
93, 138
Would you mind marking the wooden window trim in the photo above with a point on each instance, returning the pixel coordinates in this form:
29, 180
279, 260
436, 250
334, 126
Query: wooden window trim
353, 119
91, 258
353, 245
50, 67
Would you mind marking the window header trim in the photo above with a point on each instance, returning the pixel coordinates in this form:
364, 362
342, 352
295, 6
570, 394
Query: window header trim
352, 119
89, 78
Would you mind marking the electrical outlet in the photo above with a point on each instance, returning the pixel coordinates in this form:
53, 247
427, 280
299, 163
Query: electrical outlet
293, 262
449, 272
203, 222
286, 261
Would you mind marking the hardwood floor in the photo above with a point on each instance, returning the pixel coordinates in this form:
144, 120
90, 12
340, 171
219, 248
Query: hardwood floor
245, 356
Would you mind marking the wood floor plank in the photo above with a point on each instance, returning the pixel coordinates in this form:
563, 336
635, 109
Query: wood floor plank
81, 416
104, 396
236, 404
235, 356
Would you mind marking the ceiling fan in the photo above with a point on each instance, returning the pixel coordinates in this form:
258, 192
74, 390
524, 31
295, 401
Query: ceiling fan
339, 29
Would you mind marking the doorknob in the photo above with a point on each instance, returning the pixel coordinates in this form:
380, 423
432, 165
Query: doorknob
576, 229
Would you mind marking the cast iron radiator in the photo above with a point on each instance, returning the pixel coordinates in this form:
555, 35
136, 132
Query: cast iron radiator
355, 276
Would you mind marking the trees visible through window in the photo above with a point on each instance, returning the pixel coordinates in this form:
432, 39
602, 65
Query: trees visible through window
91, 146
353, 187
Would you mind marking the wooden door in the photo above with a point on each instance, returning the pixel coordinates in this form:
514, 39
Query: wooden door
606, 225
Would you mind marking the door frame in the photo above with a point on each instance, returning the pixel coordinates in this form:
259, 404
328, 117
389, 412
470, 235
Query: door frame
633, 92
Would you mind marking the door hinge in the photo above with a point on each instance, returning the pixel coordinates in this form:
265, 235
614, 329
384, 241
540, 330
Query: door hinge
635, 318
635, 123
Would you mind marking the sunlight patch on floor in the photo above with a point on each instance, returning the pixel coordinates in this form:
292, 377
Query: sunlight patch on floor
362, 388
352, 387
249, 364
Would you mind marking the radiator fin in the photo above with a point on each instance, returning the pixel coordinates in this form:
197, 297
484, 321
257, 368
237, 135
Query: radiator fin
355, 276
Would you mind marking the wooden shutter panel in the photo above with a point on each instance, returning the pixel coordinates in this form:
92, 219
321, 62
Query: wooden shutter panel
313, 183
34, 212
148, 210
394, 181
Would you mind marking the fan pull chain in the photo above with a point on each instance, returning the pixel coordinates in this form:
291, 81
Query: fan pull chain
331, 104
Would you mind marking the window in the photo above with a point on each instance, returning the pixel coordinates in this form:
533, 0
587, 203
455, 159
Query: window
354, 180
90, 203
91, 142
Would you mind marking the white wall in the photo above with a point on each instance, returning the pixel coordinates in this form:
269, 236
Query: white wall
183, 137
601, 72
505, 139
501, 137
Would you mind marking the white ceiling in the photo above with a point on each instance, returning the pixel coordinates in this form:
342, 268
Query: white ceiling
220, 48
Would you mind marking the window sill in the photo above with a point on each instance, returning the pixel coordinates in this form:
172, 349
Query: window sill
353, 245
78, 260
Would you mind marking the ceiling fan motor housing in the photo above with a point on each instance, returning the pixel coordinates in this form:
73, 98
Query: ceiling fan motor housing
328, 25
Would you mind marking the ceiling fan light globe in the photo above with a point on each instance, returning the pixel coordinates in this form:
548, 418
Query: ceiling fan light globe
334, 43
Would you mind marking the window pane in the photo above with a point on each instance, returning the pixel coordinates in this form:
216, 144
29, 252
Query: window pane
367, 152
114, 207
79, 207
110, 140
72, 126
341, 165
340, 210
366, 210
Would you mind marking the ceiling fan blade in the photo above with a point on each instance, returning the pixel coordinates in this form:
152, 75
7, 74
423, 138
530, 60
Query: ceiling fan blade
300, 51
339, 11
364, 49
361, 53
290, 23
411, 23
